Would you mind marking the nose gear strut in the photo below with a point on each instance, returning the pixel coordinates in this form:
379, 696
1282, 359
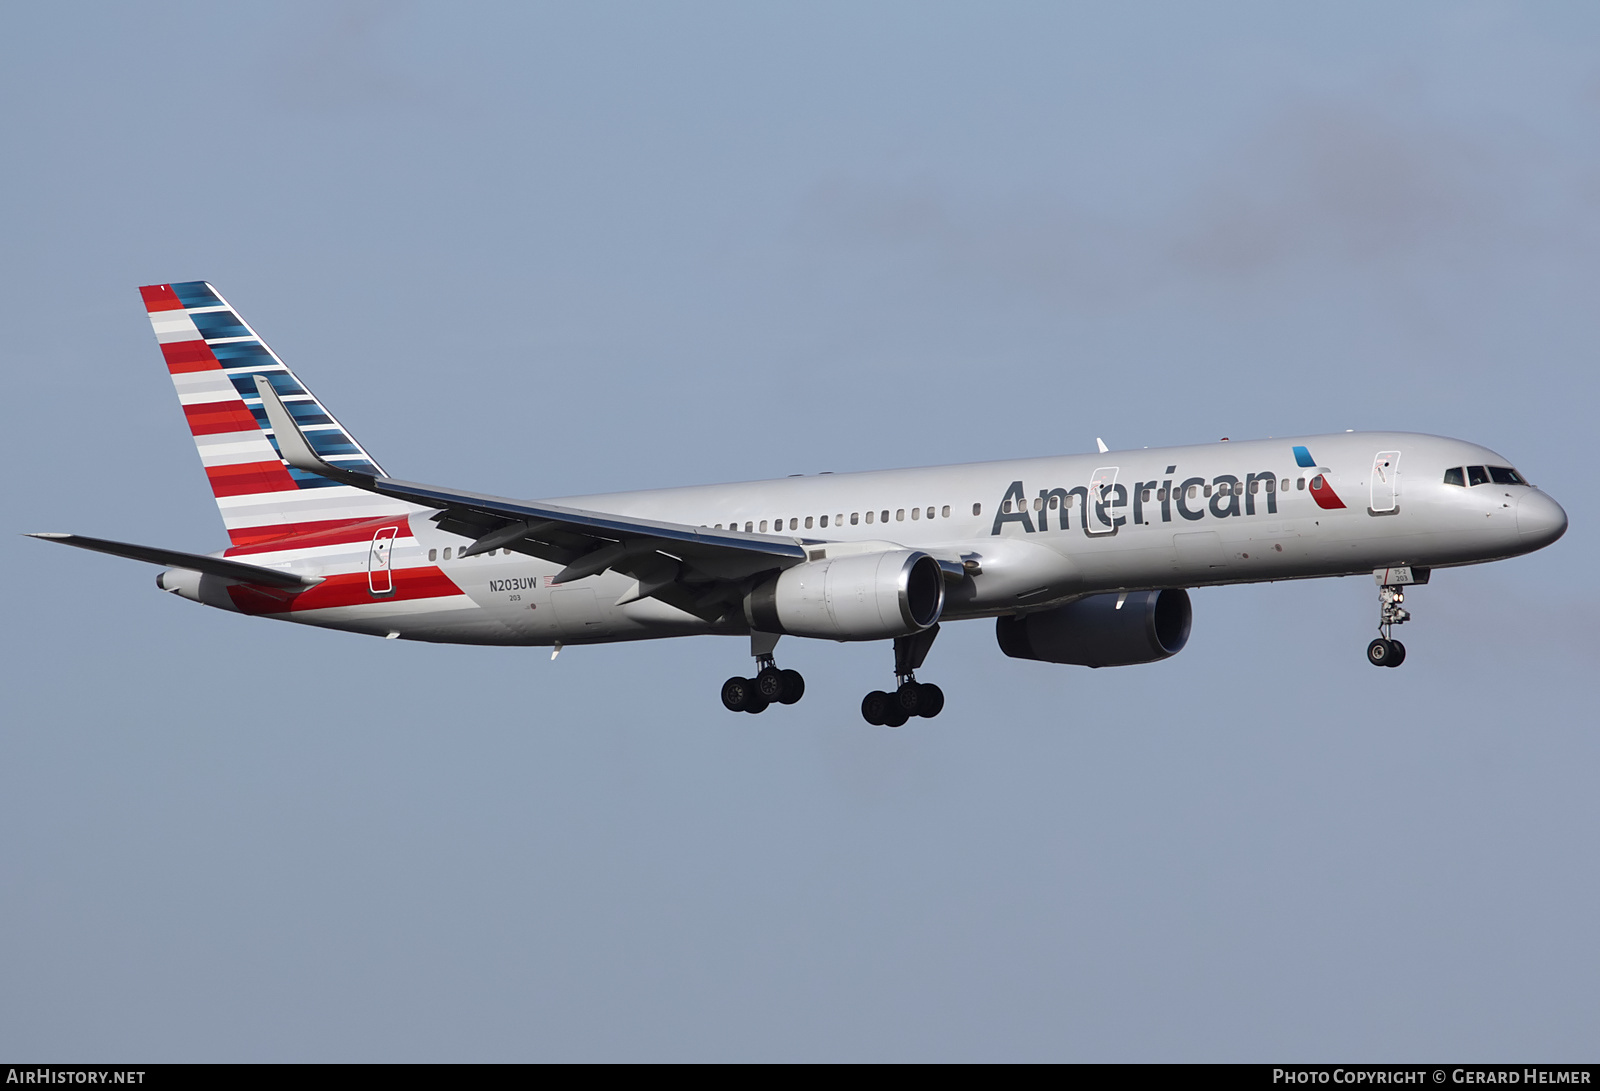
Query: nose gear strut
1387, 651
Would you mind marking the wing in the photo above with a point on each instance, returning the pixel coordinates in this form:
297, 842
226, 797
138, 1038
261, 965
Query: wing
701, 571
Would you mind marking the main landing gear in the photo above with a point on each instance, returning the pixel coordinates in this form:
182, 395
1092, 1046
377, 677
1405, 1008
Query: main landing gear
769, 686
1387, 651
911, 697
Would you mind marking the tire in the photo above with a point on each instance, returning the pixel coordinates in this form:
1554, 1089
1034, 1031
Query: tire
757, 703
931, 703
1380, 652
769, 683
909, 698
1399, 654
875, 708
794, 687
897, 716
736, 693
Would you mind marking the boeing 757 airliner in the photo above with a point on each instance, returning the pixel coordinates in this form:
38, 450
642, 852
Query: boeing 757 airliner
1079, 559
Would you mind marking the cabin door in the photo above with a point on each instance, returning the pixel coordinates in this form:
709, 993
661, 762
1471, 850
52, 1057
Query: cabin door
1385, 483
380, 580
1101, 511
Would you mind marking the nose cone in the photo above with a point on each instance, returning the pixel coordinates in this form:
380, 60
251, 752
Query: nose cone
1540, 520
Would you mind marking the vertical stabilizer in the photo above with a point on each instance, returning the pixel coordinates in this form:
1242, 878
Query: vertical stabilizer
214, 356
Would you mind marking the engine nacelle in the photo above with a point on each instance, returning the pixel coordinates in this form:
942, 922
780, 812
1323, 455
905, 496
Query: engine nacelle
1092, 632
863, 596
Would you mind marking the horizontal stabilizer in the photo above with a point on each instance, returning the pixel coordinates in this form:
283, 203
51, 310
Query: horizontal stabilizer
196, 562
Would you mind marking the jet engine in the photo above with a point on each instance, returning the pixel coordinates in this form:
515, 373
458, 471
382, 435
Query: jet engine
1094, 632
863, 596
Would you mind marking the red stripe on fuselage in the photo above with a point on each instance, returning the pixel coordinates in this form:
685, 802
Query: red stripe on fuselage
184, 356
329, 532
245, 478
346, 589
160, 297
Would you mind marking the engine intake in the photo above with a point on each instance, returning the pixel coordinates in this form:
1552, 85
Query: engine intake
864, 596
1092, 632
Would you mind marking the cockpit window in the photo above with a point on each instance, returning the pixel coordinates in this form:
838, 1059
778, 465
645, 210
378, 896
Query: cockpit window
1453, 476
1505, 475
1477, 475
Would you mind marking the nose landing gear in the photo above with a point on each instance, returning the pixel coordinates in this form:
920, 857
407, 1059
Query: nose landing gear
911, 697
769, 686
1387, 651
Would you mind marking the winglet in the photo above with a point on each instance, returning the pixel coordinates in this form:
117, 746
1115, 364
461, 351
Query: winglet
292, 442
1100, 443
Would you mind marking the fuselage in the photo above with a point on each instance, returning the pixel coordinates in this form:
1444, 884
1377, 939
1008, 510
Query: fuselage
1030, 533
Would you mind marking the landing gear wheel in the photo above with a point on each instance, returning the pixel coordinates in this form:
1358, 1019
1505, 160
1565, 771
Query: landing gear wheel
909, 698
769, 683
794, 687
875, 708
736, 694
931, 701
1382, 653
897, 716
757, 703
1397, 654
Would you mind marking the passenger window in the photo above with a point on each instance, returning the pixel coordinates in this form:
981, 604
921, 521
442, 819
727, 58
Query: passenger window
883, 516
808, 521
1272, 484
763, 526
433, 554
1300, 483
1505, 475
869, 516
944, 512
1477, 475
838, 520
447, 553
1194, 491
1454, 476
1144, 496
977, 509
1283, 486
747, 526
1255, 487
854, 518
794, 524
930, 513
916, 513
1207, 490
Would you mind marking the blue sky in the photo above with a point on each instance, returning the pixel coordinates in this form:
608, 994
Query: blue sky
539, 250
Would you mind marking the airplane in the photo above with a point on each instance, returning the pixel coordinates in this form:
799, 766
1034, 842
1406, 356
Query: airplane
1081, 559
